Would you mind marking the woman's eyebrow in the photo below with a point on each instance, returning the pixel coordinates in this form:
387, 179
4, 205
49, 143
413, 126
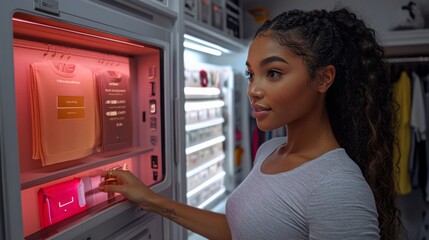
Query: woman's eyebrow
272, 59
269, 60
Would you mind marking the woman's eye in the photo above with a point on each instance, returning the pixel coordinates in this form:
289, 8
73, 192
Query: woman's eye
249, 75
273, 74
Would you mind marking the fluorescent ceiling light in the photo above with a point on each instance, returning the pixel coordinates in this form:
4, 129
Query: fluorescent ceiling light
206, 43
201, 48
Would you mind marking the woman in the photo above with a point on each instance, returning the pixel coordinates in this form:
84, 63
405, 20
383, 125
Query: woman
321, 75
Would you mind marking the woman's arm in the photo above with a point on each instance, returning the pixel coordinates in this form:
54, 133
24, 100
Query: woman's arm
206, 223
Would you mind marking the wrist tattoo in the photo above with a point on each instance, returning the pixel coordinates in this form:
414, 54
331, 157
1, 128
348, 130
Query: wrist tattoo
169, 213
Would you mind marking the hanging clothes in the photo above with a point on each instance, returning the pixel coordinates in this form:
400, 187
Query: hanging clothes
63, 110
402, 94
424, 175
418, 130
418, 118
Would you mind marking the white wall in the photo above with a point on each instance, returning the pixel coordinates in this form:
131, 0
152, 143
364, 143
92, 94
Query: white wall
382, 15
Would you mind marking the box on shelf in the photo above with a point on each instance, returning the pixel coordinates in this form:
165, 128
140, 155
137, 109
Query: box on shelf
218, 14
191, 9
204, 11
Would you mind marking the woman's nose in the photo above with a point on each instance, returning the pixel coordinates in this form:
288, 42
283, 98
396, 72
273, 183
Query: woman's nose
254, 91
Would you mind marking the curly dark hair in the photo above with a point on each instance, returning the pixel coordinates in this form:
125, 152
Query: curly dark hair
360, 101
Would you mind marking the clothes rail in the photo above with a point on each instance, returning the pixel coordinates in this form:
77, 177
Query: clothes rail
407, 59
51, 51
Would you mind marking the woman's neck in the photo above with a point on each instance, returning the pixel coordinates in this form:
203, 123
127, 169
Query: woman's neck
313, 135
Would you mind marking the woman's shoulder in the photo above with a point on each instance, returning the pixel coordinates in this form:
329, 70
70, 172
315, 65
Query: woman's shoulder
274, 142
334, 172
268, 147
337, 160
340, 174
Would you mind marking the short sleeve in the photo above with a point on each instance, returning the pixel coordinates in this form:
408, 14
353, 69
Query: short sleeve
342, 207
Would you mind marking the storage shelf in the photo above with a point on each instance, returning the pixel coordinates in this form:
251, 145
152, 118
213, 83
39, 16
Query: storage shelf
205, 144
405, 37
406, 42
202, 92
212, 198
205, 165
214, 35
199, 125
205, 184
143, 6
49, 231
203, 104
53, 172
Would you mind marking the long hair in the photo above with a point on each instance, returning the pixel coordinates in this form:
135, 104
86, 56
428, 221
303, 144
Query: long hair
360, 101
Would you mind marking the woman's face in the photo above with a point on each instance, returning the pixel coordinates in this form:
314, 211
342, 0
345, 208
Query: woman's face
279, 88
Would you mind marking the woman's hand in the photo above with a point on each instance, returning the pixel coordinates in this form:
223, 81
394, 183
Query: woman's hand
127, 184
206, 223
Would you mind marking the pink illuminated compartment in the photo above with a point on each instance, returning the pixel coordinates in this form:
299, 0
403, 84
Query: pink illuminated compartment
41, 40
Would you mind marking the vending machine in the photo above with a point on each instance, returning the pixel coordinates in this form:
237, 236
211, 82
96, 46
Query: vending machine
85, 86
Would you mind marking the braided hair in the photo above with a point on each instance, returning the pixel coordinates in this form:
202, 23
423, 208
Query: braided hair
360, 101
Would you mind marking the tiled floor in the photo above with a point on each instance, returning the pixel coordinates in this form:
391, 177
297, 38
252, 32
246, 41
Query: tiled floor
218, 208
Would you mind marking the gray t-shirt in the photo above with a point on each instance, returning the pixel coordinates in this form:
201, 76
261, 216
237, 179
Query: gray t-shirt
326, 198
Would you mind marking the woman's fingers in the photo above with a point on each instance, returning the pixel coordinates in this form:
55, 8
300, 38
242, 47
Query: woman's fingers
109, 173
110, 179
111, 188
125, 183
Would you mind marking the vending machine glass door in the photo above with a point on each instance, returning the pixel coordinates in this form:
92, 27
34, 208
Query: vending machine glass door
87, 101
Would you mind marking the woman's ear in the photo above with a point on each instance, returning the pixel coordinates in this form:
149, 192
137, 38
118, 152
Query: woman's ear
325, 78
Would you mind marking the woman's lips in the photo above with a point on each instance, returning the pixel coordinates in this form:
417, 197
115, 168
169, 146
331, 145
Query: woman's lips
260, 111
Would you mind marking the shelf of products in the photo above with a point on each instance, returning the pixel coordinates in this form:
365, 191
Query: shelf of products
207, 154
406, 42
